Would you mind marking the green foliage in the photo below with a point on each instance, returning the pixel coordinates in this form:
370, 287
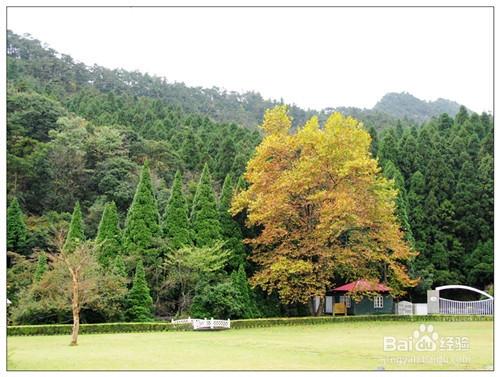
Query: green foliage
19, 276
204, 215
119, 268
374, 143
51, 299
16, 228
94, 328
75, 233
231, 298
31, 114
189, 266
240, 281
78, 134
222, 300
41, 267
388, 147
392, 172
139, 301
480, 264
462, 115
109, 328
230, 230
142, 223
176, 227
108, 235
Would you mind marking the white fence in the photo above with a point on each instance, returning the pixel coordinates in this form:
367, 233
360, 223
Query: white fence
205, 324
181, 321
200, 324
478, 307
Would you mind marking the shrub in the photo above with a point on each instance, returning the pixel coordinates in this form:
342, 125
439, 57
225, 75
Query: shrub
97, 328
104, 328
219, 301
297, 321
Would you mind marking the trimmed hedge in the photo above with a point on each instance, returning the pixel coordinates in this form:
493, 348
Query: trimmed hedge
107, 328
295, 321
96, 328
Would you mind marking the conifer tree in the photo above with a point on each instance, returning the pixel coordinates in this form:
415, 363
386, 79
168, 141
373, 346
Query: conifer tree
139, 301
486, 201
230, 230
41, 267
445, 122
16, 228
190, 150
239, 165
142, 223
416, 195
374, 144
224, 158
408, 156
240, 281
468, 206
75, 233
388, 147
204, 215
240, 185
176, 226
108, 235
461, 116
118, 267
392, 172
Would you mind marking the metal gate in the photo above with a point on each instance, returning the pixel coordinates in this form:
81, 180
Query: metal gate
478, 307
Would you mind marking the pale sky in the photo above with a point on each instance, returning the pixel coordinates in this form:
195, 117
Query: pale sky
313, 57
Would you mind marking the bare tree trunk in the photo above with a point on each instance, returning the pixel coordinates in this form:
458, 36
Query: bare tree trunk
75, 306
320, 310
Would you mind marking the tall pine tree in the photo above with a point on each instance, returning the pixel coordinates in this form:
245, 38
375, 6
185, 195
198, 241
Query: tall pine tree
142, 223
41, 267
176, 226
230, 230
16, 228
392, 172
139, 301
240, 281
75, 233
108, 235
204, 214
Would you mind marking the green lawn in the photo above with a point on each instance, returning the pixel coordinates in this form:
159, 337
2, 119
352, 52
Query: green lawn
327, 346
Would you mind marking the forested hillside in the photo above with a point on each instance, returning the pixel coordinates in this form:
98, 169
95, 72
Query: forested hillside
150, 168
59, 74
444, 171
404, 105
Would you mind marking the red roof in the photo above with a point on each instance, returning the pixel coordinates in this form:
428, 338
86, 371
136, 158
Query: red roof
362, 285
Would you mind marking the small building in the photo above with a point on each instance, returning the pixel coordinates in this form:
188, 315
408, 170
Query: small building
339, 300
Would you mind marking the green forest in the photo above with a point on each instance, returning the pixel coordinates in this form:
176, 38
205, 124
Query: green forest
142, 173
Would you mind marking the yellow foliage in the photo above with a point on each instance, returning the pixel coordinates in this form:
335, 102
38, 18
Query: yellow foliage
324, 209
276, 121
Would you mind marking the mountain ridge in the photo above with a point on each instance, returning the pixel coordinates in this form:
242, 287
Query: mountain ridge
245, 109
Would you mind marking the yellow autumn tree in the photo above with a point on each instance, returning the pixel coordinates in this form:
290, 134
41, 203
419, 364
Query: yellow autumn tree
323, 207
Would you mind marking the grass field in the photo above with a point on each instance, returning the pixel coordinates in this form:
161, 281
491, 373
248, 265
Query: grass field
313, 347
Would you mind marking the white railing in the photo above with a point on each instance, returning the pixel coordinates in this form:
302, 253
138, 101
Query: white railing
205, 324
478, 307
211, 324
181, 321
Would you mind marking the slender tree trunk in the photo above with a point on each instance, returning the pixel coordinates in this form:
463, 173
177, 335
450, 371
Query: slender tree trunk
320, 310
75, 306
